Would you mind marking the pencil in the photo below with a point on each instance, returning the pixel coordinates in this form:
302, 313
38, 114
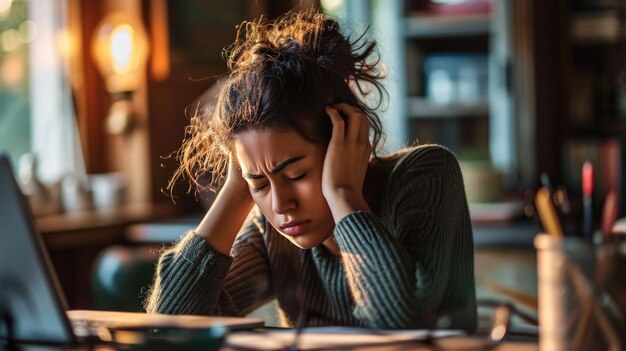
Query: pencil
547, 213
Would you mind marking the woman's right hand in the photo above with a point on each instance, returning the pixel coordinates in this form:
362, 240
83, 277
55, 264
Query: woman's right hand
222, 222
235, 184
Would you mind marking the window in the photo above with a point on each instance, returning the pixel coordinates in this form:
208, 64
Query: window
36, 108
16, 31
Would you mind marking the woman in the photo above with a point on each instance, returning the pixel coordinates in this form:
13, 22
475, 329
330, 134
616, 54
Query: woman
343, 237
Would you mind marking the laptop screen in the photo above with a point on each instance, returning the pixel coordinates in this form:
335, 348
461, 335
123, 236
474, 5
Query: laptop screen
31, 303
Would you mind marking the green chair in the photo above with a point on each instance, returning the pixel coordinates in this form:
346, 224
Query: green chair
122, 276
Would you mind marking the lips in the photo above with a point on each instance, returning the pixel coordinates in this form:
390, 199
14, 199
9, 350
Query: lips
294, 228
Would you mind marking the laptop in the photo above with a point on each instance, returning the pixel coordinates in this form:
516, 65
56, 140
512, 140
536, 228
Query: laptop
32, 304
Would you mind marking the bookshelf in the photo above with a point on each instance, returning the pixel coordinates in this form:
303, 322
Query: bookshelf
447, 73
595, 81
597, 69
455, 79
464, 82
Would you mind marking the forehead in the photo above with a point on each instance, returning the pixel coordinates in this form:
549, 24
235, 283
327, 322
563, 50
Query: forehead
267, 148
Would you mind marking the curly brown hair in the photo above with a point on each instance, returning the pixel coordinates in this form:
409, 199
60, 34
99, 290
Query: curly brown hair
282, 74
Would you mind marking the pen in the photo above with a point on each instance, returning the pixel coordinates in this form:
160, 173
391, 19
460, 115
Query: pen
547, 213
558, 196
587, 200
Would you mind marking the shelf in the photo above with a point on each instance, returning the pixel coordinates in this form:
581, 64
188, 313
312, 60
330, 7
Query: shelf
87, 220
597, 42
596, 28
422, 108
98, 227
429, 26
598, 130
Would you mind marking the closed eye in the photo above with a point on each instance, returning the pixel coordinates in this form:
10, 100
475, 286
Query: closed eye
295, 179
298, 178
257, 190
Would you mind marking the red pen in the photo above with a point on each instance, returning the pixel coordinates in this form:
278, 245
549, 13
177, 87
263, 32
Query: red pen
587, 200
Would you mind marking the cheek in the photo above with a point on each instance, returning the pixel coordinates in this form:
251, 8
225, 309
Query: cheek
264, 203
310, 192
315, 198
318, 191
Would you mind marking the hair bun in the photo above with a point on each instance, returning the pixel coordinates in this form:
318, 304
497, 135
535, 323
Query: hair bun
305, 35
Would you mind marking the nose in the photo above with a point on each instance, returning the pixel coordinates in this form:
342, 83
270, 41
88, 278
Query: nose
282, 200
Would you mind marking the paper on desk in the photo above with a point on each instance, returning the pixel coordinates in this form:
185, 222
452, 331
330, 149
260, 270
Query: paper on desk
329, 338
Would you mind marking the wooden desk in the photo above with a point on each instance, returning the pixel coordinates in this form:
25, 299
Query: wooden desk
507, 346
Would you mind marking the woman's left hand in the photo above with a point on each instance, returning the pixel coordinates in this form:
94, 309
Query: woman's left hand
346, 161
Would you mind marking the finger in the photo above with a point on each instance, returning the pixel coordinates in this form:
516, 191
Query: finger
338, 125
232, 162
364, 130
367, 153
355, 121
368, 149
347, 108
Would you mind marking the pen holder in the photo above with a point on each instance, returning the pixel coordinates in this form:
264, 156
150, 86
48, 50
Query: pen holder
582, 294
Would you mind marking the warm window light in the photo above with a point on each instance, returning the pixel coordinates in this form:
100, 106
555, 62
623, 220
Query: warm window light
12, 71
120, 50
28, 31
66, 44
10, 40
5, 9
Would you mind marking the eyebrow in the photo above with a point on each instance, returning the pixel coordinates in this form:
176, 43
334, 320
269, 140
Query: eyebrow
276, 169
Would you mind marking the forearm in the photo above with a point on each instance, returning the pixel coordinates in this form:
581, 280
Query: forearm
188, 278
393, 291
220, 225
194, 278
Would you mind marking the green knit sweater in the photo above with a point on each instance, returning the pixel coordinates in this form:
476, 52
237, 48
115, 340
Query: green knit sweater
409, 265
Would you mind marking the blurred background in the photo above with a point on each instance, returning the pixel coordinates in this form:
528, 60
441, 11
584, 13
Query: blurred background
95, 95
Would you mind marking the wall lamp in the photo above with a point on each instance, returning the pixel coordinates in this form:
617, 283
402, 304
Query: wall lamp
120, 50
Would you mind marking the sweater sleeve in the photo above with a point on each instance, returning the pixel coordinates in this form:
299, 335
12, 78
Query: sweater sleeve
398, 270
194, 278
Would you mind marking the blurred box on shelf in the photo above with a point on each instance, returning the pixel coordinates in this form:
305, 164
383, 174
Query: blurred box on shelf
596, 26
109, 190
483, 182
456, 78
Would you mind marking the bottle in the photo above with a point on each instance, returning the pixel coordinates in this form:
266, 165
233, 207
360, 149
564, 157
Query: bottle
76, 194
41, 200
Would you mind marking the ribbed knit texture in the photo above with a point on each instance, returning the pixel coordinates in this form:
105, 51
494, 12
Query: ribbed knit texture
409, 266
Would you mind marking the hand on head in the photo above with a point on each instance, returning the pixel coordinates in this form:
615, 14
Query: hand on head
235, 183
347, 156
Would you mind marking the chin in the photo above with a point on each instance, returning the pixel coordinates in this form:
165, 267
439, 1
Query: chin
306, 241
